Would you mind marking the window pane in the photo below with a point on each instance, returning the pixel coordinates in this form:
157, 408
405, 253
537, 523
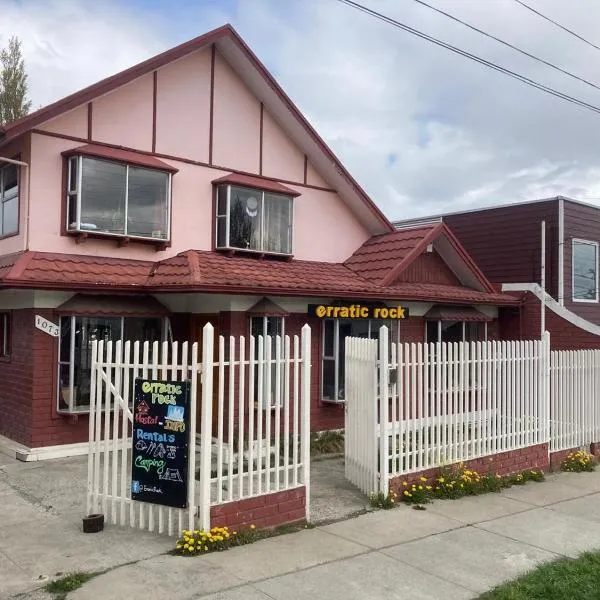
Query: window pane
65, 339
277, 224
584, 271
452, 331
474, 332
329, 380
328, 337
245, 219
222, 200
10, 174
10, 217
103, 196
221, 232
143, 329
432, 332
257, 326
147, 203
73, 174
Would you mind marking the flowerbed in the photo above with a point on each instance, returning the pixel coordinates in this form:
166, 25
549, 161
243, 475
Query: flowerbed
578, 462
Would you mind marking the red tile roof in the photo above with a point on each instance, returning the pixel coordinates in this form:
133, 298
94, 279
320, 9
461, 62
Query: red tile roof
382, 253
128, 156
260, 183
204, 271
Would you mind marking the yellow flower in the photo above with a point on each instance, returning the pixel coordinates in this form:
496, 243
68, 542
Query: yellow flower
441, 479
420, 487
206, 548
423, 478
427, 487
235, 533
253, 526
405, 483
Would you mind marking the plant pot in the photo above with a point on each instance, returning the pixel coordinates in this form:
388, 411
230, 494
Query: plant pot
65, 393
93, 523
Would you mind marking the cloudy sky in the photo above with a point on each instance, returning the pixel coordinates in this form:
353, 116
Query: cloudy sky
422, 129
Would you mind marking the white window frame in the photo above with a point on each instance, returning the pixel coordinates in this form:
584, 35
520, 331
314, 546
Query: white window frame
589, 243
335, 358
2, 200
76, 162
273, 400
227, 217
165, 334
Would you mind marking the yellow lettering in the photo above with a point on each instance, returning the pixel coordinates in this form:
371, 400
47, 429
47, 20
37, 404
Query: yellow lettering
384, 313
376, 313
336, 312
320, 312
352, 311
329, 310
146, 387
344, 312
393, 313
364, 312
400, 312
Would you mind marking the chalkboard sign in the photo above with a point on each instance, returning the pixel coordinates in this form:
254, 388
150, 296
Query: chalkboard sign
159, 462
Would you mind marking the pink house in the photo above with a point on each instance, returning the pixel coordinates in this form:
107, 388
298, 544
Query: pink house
190, 189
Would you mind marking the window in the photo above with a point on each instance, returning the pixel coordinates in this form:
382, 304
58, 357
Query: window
254, 220
9, 200
455, 331
4, 335
585, 271
272, 327
335, 332
117, 199
75, 351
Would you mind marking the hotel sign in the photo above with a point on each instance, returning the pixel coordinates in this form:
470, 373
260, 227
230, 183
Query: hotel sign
357, 311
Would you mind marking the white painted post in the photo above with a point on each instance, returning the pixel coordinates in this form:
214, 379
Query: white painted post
384, 440
545, 413
543, 281
206, 424
195, 369
305, 391
93, 444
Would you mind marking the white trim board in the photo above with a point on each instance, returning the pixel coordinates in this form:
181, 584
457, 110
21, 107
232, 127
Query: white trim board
553, 305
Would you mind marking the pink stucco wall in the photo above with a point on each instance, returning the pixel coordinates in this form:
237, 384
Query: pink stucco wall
281, 157
124, 117
236, 121
324, 228
183, 107
313, 177
75, 122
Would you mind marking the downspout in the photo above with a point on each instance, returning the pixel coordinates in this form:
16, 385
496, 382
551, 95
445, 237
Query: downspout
561, 251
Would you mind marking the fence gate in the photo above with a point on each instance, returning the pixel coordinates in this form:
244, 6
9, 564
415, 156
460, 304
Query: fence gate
254, 429
361, 435
115, 367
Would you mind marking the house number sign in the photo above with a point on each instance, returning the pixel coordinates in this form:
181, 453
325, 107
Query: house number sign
46, 326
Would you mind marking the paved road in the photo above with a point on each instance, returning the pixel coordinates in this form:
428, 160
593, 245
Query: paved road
453, 550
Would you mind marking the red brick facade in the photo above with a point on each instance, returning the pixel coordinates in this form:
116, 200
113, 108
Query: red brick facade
556, 458
525, 325
504, 463
268, 510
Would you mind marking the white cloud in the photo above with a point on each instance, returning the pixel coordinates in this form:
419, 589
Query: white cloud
420, 128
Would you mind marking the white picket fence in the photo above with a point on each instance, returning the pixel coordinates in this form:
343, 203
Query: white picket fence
574, 398
445, 403
256, 443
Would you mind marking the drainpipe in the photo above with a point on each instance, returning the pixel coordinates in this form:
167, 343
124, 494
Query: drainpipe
20, 163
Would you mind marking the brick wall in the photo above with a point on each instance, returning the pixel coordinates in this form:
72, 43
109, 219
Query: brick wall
556, 458
268, 510
526, 326
504, 463
17, 378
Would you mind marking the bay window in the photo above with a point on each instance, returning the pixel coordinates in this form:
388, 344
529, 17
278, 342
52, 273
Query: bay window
253, 220
585, 271
455, 331
117, 199
9, 200
75, 351
335, 332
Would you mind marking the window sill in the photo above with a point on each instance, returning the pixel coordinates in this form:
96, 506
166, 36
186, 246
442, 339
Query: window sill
332, 401
9, 235
581, 301
121, 240
254, 253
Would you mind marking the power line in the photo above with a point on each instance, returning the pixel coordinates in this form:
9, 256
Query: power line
509, 45
473, 57
573, 33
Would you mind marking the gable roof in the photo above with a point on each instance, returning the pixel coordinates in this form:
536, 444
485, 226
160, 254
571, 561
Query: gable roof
383, 258
261, 83
211, 272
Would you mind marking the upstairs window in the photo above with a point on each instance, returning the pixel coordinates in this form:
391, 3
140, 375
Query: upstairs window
9, 200
253, 220
585, 271
112, 198
4, 334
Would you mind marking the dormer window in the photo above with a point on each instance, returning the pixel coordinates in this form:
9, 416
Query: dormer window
113, 198
253, 219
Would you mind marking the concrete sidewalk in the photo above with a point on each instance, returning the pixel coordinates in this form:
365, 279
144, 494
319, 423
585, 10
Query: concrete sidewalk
454, 549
